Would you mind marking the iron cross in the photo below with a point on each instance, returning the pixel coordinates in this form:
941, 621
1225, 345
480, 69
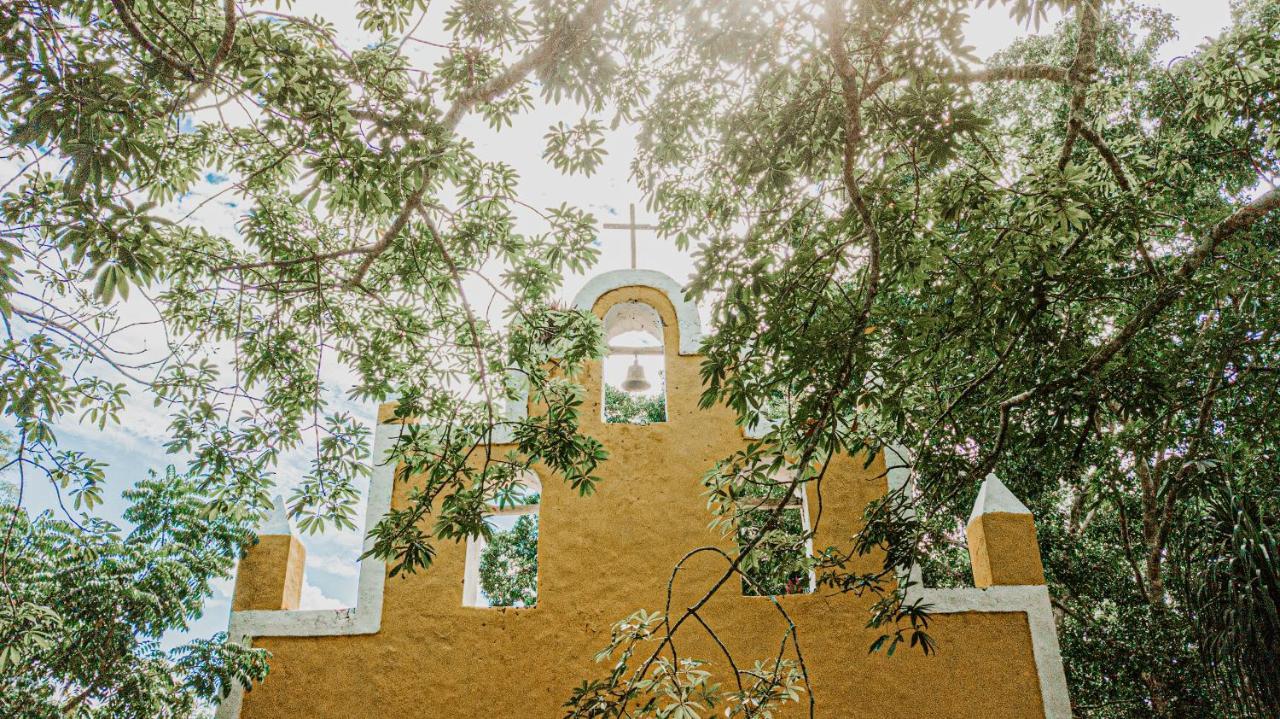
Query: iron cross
632, 226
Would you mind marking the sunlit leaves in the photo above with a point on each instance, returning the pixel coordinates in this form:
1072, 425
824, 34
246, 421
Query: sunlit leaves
89, 602
387, 18
329, 492
1011, 249
487, 22
352, 219
579, 148
644, 684
362, 218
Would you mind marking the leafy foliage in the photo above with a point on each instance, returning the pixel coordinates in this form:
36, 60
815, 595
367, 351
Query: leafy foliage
85, 608
358, 212
1234, 598
509, 565
765, 514
1060, 266
621, 407
777, 563
667, 687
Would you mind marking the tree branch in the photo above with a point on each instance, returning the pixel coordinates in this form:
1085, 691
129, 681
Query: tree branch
1108, 156
1080, 75
1239, 221
466, 306
228, 36
562, 38
852, 146
1122, 180
306, 259
135, 31
1050, 73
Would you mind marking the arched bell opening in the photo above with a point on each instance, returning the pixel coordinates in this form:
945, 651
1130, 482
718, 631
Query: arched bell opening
634, 365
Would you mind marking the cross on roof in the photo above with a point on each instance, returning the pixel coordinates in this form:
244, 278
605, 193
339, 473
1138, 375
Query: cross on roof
632, 226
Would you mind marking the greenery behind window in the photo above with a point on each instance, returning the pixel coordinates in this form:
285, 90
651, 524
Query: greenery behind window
621, 407
509, 563
777, 564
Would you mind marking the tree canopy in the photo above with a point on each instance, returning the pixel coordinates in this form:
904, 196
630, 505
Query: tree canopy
509, 565
1059, 266
624, 407
86, 606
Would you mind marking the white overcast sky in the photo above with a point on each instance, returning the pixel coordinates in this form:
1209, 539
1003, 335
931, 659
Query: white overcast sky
331, 569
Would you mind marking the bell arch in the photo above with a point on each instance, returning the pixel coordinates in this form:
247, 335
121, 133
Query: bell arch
632, 325
688, 324
633, 382
644, 314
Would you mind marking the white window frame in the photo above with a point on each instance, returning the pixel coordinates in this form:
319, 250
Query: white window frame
800, 501
471, 594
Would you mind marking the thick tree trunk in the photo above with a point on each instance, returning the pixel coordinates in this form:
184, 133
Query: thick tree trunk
1158, 693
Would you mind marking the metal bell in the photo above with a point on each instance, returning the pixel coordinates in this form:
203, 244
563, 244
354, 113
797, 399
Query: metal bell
635, 381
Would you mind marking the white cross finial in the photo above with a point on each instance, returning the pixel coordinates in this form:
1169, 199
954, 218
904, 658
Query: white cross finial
632, 226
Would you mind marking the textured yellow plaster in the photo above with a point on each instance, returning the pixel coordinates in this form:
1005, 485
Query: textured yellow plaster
1003, 550
270, 574
603, 557
386, 412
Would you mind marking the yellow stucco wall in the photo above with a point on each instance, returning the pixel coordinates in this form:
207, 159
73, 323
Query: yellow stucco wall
604, 556
270, 574
1003, 550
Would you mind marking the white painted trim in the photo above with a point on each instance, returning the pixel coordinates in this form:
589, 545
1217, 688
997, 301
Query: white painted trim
1032, 600
364, 618
632, 316
897, 461
994, 497
514, 410
471, 572
759, 429
276, 522
687, 322
806, 524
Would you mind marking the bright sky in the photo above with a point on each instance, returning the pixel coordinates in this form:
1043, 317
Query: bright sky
135, 446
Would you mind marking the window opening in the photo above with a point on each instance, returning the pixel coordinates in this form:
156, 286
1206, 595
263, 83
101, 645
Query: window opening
502, 568
634, 382
780, 562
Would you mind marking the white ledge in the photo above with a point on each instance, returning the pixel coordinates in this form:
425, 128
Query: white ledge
366, 616
1032, 600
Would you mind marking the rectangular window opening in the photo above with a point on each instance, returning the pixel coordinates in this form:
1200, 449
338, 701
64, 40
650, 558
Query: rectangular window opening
502, 570
635, 390
779, 564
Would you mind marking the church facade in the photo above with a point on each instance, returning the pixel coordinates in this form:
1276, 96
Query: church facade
426, 645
